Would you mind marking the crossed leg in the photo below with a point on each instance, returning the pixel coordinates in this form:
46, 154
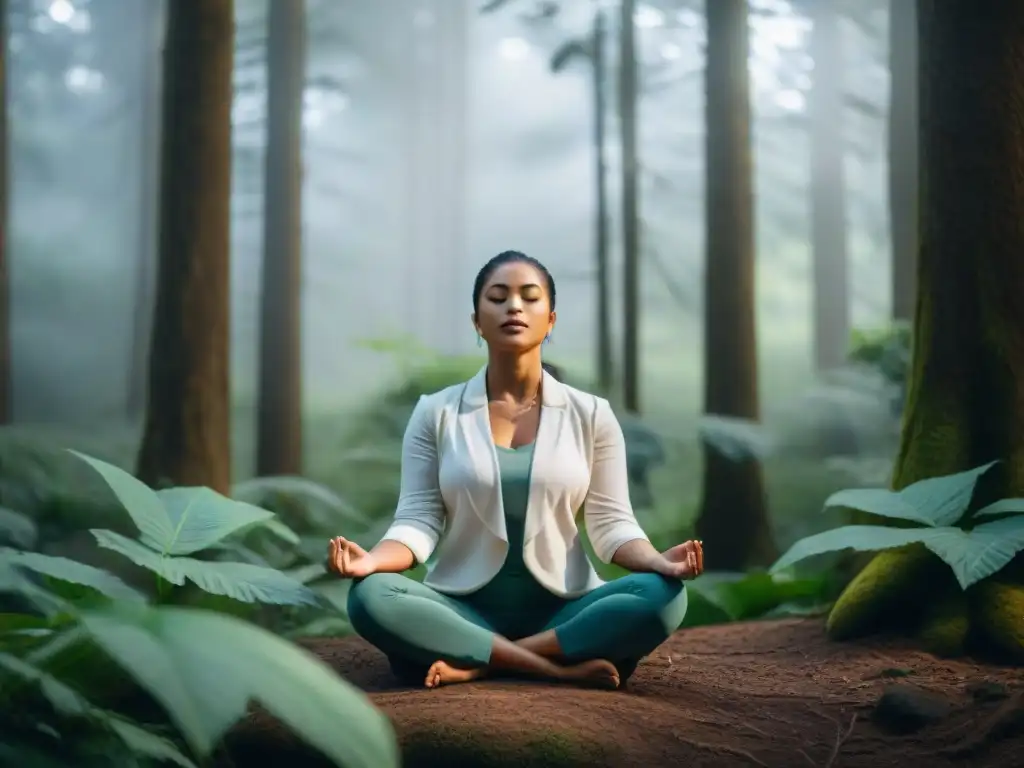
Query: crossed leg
418, 626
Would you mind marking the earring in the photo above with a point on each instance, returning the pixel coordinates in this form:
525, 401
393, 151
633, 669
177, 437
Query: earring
479, 340
547, 339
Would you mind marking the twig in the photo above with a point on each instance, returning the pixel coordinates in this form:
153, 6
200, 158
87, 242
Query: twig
840, 738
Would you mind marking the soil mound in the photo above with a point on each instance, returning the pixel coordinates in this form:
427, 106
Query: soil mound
775, 694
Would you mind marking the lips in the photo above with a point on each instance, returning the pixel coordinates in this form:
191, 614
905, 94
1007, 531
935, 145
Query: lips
513, 324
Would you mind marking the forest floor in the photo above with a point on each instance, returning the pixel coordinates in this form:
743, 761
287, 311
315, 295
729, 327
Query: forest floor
772, 693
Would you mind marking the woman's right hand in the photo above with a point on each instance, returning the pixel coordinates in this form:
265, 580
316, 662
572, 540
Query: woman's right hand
348, 560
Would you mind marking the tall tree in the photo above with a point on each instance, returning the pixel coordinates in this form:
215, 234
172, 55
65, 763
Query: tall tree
630, 207
733, 520
279, 411
150, 20
903, 153
605, 363
6, 406
186, 440
831, 321
965, 404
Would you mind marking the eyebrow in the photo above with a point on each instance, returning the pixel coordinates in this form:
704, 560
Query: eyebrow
502, 285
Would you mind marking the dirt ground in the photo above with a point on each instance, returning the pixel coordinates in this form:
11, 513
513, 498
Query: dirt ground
774, 694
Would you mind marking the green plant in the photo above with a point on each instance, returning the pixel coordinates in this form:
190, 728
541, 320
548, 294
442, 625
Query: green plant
176, 523
202, 668
936, 513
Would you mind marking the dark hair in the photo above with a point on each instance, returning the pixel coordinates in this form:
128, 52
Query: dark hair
510, 257
553, 370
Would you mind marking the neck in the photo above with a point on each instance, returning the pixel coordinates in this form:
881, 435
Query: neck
516, 376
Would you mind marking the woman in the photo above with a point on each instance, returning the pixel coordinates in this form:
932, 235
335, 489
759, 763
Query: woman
494, 471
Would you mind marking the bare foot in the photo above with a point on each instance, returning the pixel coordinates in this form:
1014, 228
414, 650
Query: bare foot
593, 674
443, 673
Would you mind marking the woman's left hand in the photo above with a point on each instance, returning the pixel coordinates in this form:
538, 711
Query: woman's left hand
684, 561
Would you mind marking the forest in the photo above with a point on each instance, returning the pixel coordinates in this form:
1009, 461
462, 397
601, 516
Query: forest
237, 244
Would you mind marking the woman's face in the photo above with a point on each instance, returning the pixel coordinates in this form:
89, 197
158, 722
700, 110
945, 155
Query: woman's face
514, 313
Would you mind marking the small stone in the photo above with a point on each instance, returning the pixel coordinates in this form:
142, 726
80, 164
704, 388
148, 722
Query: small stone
904, 709
986, 691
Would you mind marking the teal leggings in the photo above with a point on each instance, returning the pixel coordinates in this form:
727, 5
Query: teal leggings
414, 625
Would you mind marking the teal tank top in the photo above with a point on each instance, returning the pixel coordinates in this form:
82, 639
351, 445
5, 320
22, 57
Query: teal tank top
513, 601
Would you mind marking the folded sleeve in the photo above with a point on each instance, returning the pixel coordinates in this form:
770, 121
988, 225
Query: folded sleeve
419, 517
607, 512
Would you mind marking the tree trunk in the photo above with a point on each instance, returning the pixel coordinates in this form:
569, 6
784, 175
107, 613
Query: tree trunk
151, 22
903, 155
733, 519
965, 404
605, 364
279, 411
828, 190
186, 440
630, 208
6, 405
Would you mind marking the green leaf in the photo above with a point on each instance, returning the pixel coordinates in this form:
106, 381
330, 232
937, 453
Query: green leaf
1002, 507
877, 501
71, 571
861, 538
934, 501
201, 517
147, 744
944, 500
281, 531
981, 552
321, 503
67, 701
240, 581
158, 647
17, 529
140, 501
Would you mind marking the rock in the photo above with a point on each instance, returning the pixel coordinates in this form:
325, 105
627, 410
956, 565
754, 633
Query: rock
905, 708
986, 691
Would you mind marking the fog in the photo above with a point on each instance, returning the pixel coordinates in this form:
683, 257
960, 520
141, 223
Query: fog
436, 136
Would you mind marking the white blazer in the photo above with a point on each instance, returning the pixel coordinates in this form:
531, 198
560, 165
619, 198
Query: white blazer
450, 499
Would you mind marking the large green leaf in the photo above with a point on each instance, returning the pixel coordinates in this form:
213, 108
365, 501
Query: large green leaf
240, 581
17, 529
1002, 507
877, 501
67, 701
981, 552
862, 538
934, 501
71, 571
177, 521
159, 647
201, 517
139, 500
945, 499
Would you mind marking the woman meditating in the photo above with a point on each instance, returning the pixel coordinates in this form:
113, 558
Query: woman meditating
494, 473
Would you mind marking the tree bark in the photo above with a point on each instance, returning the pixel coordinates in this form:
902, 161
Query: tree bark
630, 208
605, 364
828, 190
279, 410
903, 155
186, 440
965, 404
6, 404
733, 520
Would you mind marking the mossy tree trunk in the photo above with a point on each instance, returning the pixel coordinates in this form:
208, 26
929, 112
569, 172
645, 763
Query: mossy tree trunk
631, 245
279, 411
6, 405
965, 404
733, 520
186, 440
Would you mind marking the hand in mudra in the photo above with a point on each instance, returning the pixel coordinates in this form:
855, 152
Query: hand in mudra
684, 561
348, 560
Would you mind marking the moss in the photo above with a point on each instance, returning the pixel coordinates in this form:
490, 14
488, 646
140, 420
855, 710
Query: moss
945, 624
462, 747
878, 596
997, 612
